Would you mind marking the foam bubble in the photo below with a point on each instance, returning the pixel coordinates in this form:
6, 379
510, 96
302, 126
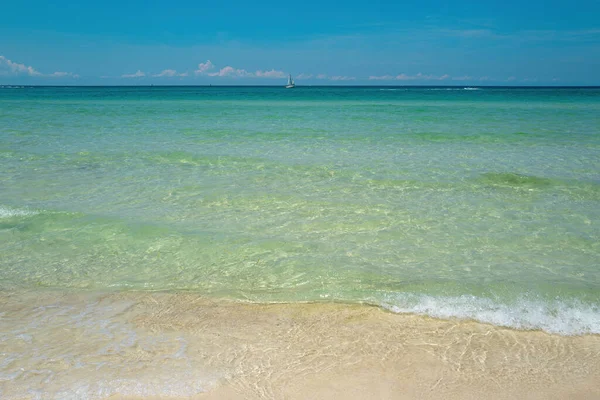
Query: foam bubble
6, 212
560, 317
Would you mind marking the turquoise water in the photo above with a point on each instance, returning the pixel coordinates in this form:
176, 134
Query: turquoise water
480, 204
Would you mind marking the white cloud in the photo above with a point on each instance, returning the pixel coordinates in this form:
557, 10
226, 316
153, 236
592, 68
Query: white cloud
325, 76
8, 67
342, 78
169, 73
166, 73
382, 78
335, 77
231, 72
462, 78
204, 67
270, 74
138, 74
11, 68
421, 77
511, 78
60, 74
404, 77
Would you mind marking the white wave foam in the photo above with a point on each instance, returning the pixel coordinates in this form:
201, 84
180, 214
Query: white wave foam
107, 363
559, 317
13, 212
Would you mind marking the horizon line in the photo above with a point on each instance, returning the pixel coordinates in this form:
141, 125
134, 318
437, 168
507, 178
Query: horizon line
8, 86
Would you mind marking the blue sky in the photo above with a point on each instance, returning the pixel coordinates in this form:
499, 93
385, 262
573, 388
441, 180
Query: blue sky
320, 42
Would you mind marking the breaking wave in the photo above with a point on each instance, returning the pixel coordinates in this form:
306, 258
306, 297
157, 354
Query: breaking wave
562, 317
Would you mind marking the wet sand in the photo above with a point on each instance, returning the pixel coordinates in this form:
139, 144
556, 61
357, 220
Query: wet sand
178, 345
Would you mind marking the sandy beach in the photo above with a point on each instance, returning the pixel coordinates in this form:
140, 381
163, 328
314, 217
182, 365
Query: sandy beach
177, 345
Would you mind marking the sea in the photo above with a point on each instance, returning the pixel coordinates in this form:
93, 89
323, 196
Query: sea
475, 203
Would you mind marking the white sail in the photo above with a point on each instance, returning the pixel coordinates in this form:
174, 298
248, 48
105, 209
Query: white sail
290, 82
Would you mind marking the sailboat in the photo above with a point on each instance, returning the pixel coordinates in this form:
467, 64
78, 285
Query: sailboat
290, 83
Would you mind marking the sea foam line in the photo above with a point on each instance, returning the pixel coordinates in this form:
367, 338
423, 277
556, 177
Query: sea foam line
556, 316
6, 212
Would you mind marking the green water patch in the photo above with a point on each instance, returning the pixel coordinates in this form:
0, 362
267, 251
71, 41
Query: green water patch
250, 169
29, 222
95, 252
59, 249
7, 154
81, 158
580, 190
14, 218
206, 134
87, 160
509, 179
18, 156
495, 137
290, 249
189, 159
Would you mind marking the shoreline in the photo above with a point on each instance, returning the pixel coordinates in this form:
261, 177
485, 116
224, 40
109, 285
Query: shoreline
127, 345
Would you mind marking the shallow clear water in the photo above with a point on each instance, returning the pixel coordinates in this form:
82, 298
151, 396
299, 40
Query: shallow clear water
481, 204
